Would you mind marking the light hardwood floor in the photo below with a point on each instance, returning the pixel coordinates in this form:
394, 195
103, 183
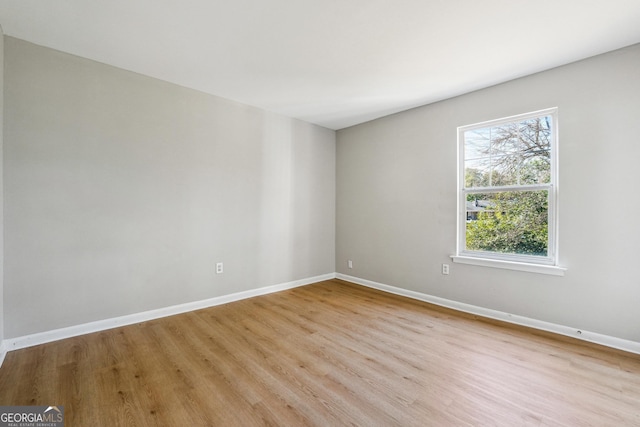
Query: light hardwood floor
327, 354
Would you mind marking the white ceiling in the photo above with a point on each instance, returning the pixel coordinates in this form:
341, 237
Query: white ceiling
335, 63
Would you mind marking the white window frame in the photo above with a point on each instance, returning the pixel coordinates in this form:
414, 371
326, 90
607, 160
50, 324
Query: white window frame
531, 263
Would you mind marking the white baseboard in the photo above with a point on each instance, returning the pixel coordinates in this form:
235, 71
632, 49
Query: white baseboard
606, 340
101, 325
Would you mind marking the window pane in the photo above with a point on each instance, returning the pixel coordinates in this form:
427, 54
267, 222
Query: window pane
477, 143
505, 170
476, 173
514, 222
515, 153
536, 170
505, 139
535, 135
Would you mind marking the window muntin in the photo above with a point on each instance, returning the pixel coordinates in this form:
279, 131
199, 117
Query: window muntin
508, 184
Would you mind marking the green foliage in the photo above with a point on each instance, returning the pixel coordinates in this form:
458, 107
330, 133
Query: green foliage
515, 222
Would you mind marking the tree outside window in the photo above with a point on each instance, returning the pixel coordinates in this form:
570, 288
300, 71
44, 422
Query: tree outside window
507, 198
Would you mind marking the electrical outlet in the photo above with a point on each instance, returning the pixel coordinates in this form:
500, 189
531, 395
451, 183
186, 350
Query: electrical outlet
445, 268
350, 264
219, 268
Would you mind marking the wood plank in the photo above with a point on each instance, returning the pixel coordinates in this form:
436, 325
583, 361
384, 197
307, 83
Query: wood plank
331, 353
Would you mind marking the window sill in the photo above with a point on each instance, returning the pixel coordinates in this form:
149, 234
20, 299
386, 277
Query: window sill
510, 265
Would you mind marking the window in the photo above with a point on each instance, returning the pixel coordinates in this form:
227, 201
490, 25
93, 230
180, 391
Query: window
507, 192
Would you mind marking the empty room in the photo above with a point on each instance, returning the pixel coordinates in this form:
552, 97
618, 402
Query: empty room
319, 213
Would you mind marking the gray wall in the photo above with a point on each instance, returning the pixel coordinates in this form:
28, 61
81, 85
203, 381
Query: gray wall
122, 192
396, 198
1, 187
